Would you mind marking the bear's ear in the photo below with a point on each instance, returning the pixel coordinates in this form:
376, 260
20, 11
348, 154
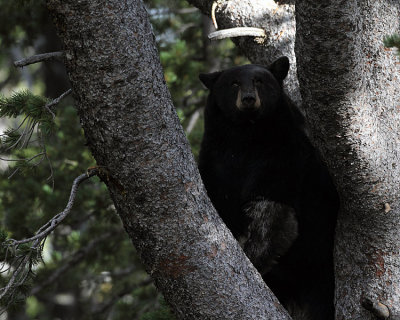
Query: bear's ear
209, 79
279, 68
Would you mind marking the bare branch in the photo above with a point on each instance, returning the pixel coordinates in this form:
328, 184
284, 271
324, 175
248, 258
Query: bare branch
56, 101
39, 58
24, 266
237, 32
55, 221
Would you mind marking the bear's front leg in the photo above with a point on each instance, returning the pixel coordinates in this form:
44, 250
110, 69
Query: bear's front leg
271, 232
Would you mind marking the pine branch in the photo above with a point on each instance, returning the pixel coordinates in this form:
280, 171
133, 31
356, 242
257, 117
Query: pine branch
46, 229
26, 256
39, 116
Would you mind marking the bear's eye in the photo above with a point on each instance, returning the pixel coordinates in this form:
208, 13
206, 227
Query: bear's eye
235, 84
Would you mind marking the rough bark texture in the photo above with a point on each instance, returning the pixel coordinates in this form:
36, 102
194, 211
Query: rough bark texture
276, 18
133, 130
350, 88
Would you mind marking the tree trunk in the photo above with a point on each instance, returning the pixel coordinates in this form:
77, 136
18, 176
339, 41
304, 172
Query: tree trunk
132, 129
278, 21
350, 88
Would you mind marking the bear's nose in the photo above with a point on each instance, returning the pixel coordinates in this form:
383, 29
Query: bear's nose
248, 100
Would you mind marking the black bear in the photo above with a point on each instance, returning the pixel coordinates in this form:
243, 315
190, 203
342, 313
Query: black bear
269, 185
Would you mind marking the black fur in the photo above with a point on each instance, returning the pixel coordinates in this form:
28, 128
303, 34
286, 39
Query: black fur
269, 186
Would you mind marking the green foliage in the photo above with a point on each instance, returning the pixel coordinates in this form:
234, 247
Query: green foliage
89, 243
393, 41
32, 108
37, 123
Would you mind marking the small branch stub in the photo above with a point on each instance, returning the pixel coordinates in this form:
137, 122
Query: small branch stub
237, 32
39, 58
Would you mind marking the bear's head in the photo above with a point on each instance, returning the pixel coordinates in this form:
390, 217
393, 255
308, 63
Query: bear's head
247, 92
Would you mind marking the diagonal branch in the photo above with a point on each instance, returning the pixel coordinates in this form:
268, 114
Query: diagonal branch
56, 101
45, 230
24, 266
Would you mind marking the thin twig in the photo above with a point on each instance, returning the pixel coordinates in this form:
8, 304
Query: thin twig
43, 145
21, 136
25, 159
13, 173
56, 101
39, 58
237, 32
28, 135
16, 129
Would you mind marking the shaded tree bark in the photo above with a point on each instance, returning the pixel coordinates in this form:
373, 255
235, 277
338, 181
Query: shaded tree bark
350, 88
132, 129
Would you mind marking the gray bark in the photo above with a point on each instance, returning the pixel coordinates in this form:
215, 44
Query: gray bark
350, 88
277, 19
132, 129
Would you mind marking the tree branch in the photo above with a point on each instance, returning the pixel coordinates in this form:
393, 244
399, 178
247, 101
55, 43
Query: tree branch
39, 58
46, 229
24, 266
237, 32
56, 101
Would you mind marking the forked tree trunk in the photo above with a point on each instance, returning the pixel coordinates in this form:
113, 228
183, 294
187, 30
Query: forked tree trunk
350, 86
132, 129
